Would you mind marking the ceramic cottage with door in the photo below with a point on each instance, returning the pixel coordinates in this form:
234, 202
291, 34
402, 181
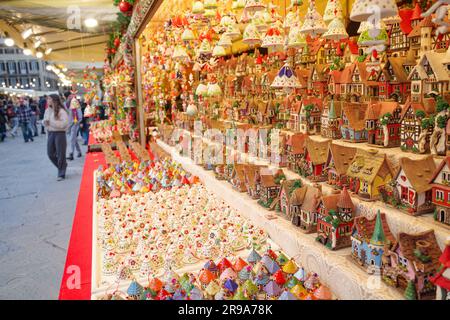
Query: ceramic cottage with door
338, 161
411, 263
304, 204
369, 238
415, 125
383, 123
353, 125
286, 190
312, 166
440, 183
295, 150
335, 216
368, 171
412, 191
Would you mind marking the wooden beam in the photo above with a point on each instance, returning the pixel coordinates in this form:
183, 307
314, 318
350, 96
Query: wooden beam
80, 46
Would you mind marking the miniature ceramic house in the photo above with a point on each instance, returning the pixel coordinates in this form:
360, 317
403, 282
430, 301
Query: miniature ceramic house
310, 115
269, 190
442, 278
318, 80
238, 178
335, 214
253, 181
353, 126
338, 161
393, 80
313, 164
383, 123
429, 76
369, 239
440, 183
413, 192
331, 117
414, 136
367, 172
413, 259
304, 202
286, 190
295, 150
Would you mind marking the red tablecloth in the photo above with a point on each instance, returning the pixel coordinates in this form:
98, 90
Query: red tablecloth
79, 253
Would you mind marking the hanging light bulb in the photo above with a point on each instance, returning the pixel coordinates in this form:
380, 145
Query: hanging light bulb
27, 33
9, 42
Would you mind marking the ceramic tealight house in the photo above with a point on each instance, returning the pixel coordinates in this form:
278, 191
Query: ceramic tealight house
442, 278
318, 80
393, 80
429, 76
440, 183
331, 117
312, 165
415, 132
353, 125
270, 187
369, 239
367, 172
338, 161
310, 115
304, 202
284, 197
335, 214
383, 123
253, 181
410, 264
238, 178
413, 191
295, 150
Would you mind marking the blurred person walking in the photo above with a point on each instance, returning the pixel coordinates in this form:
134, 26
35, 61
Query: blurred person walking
3, 122
11, 112
56, 121
75, 118
34, 116
42, 106
24, 113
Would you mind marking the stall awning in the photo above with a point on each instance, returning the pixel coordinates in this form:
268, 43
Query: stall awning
59, 26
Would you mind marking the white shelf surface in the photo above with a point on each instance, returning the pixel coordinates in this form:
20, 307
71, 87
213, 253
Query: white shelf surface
346, 279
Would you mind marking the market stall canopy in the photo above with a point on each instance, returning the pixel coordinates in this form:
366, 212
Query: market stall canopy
59, 26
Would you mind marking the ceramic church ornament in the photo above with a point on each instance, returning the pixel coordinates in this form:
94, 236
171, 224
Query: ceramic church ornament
362, 10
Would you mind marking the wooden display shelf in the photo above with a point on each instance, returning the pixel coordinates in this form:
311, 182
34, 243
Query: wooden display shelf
346, 279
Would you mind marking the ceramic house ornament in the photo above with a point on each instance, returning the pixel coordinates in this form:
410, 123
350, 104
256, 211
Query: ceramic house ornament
332, 10
313, 24
251, 35
362, 10
336, 30
285, 78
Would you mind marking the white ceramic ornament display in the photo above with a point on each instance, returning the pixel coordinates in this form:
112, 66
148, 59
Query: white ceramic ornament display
251, 35
336, 30
362, 10
313, 24
333, 9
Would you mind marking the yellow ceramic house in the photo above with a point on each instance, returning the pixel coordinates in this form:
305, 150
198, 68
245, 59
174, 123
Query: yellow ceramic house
368, 171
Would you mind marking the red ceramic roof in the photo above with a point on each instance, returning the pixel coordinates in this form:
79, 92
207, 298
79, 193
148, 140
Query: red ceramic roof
406, 15
416, 12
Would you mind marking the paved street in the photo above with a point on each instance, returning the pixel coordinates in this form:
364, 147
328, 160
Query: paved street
36, 214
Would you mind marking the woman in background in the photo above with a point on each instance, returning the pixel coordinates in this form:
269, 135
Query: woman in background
56, 121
